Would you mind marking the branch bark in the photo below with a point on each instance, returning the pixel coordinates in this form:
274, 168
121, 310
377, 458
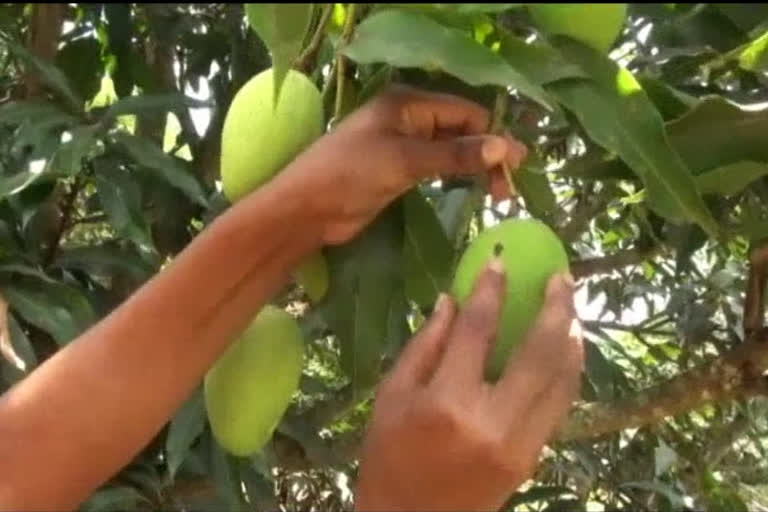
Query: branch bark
606, 264
754, 304
737, 374
45, 26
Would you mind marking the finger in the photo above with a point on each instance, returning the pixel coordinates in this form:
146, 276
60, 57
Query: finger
421, 356
498, 186
518, 152
539, 359
547, 412
474, 330
426, 114
457, 156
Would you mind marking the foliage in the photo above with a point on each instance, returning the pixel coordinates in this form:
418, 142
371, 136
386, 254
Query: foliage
650, 163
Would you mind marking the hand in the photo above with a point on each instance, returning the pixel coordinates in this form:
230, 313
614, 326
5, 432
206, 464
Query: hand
442, 437
389, 144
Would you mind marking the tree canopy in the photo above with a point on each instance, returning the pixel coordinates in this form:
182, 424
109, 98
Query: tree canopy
648, 159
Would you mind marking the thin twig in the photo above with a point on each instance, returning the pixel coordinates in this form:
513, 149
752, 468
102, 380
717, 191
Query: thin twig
497, 127
341, 64
305, 59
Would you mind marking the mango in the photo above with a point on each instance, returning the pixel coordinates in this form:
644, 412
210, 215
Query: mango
249, 388
531, 253
596, 25
260, 138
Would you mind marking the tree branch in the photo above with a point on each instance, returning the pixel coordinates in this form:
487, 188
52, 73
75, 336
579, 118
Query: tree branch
305, 62
737, 374
754, 304
45, 26
607, 264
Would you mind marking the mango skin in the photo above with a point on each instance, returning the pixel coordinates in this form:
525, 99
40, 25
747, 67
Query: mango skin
259, 139
596, 25
531, 253
249, 388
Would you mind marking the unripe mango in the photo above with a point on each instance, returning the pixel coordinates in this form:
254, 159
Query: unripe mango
531, 253
249, 388
259, 138
596, 25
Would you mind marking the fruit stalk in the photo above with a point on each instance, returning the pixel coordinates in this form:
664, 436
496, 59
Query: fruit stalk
341, 63
497, 127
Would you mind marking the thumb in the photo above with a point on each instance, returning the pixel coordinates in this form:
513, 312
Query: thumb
455, 156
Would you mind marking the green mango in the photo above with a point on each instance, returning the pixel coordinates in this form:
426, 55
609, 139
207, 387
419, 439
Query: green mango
531, 253
249, 388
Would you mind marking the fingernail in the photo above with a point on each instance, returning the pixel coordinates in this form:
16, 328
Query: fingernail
568, 279
441, 303
576, 331
496, 265
494, 150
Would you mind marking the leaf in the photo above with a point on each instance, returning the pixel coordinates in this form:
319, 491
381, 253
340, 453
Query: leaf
365, 282
186, 426
282, 28
148, 154
120, 196
119, 36
68, 159
105, 260
23, 349
664, 458
60, 310
699, 136
731, 179
617, 114
114, 498
226, 477
10, 185
538, 195
410, 39
481, 8
152, 104
674, 497
80, 61
49, 74
754, 57
539, 493
538, 61
16, 112
428, 254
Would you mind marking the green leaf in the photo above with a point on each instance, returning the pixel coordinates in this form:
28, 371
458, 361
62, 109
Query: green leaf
80, 60
538, 195
365, 282
105, 260
147, 154
114, 498
68, 159
120, 196
731, 179
224, 470
428, 254
10, 185
119, 36
538, 61
49, 75
152, 104
617, 114
409, 39
17, 112
59, 309
24, 360
282, 28
473, 8
717, 132
186, 426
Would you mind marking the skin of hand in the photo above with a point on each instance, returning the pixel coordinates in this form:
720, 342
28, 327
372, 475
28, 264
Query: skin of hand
442, 438
87, 411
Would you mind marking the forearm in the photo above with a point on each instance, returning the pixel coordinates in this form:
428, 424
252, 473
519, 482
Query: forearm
89, 409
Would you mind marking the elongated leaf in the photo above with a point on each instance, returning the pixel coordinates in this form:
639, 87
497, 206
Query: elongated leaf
25, 357
186, 426
428, 254
754, 56
283, 28
114, 498
68, 159
149, 155
105, 260
59, 309
120, 196
152, 104
365, 281
617, 114
731, 179
49, 75
538, 195
16, 112
409, 39
538, 61
472, 8
14, 184
80, 61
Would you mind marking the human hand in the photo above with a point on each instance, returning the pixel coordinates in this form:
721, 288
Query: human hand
389, 144
442, 437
